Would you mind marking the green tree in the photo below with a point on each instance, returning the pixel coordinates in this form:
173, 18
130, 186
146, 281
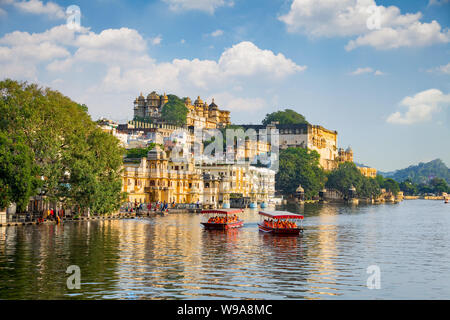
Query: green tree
18, 173
287, 116
299, 166
80, 164
391, 185
139, 152
348, 175
409, 188
174, 111
439, 185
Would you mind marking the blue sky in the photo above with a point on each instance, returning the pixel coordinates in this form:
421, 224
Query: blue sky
378, 72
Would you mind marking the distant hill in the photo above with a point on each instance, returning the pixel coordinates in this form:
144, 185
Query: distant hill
421, 173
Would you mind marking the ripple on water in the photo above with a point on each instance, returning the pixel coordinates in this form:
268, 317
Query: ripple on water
172, 257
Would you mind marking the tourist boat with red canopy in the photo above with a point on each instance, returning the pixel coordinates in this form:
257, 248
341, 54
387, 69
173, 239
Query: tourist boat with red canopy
280, 222
222, 219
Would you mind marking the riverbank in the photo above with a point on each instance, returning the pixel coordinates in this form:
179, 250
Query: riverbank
424, 197
106, 217
116, 216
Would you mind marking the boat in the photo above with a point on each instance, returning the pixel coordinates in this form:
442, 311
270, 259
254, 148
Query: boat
280, 222
222, 219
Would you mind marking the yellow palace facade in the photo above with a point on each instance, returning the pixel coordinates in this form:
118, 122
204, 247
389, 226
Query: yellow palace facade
155, 178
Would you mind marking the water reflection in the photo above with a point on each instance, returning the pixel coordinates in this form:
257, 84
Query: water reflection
174, 257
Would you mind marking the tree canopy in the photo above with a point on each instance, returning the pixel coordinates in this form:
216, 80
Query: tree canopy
79, 163
299, 166
287, 116
139, 152
348, 175
18, 173
174, 111
435, 186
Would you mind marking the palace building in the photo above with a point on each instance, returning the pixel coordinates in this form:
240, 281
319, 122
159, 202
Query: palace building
159, 178
200, 114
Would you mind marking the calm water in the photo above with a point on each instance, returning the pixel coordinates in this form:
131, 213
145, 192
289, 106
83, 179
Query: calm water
172, 257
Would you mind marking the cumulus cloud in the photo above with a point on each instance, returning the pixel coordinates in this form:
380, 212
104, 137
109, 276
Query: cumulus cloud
208, 6
117, 64
50, 9
420, 107
377, 26
414, 35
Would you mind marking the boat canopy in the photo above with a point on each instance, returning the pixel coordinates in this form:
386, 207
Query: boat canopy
281, 215
222, 211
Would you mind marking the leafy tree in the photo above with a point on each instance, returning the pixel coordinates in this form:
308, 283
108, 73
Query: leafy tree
174, 111
348, 175
299, 166
409, 188
287, 116
391, 185
80, 164
139, 152
439, 185
18, 173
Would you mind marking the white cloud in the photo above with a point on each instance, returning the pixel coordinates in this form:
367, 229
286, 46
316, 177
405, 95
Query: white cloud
245, 58
420, 107
3, 13
114, 65
156, 40
377, 26
362, 71
359, 71
444, 69
208, 6
50, 9
414, 35
379, 73
217, 33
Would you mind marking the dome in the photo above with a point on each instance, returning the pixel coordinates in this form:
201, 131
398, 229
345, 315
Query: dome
198, 101
349, 149
213, 106
300, 189
188, 101
141, 97
152, 96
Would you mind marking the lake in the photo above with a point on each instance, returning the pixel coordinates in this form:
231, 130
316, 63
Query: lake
173, 257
